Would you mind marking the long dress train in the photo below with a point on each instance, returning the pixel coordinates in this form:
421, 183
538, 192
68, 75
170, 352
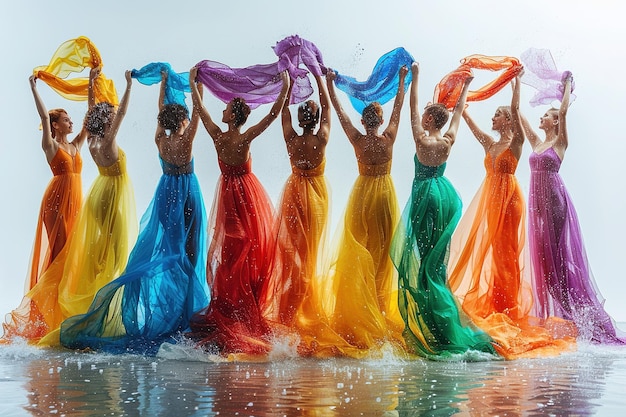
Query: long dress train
239, 262
488, 272
564, 285
362, 305
435, 326
59, 211
96, 253
164, 283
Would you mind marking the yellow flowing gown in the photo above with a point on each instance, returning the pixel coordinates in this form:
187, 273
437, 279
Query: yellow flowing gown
362, 305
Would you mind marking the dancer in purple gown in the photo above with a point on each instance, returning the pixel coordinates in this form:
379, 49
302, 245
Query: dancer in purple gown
563, 281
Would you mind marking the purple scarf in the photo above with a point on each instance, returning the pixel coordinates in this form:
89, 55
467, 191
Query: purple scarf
261, 84
541, 73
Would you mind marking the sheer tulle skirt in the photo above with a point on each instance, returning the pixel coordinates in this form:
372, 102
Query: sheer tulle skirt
96, 253
434, 323
488, 272
362, 302
59, 211
563, 282
239, 262
164, 282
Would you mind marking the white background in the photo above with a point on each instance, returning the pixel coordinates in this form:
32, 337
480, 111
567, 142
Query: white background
585, 37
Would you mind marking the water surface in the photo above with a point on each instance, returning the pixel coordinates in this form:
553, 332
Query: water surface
36, 382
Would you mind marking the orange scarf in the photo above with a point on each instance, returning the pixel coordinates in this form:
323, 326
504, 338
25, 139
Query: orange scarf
449, 88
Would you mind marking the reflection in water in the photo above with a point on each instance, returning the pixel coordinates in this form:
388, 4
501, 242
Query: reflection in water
36, 382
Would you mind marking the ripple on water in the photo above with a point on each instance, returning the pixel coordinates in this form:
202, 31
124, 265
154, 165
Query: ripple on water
40, 382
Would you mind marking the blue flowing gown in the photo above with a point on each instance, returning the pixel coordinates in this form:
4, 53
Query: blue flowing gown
164, 282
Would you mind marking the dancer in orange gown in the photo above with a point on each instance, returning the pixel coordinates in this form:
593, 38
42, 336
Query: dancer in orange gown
303, 210
363, 302
61, 201
295, 289
240, 254
487, 267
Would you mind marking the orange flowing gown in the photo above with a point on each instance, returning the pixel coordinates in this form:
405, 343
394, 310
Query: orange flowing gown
488, 269
60, 206
295, 291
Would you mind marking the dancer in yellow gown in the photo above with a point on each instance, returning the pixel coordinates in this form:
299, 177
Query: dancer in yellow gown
363, 302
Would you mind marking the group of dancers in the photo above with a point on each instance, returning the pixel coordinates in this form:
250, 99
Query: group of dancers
426, 281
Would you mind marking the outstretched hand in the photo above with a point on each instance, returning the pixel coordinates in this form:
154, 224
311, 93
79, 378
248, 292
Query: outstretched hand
415, 68
331, 75
193, 73
94, 73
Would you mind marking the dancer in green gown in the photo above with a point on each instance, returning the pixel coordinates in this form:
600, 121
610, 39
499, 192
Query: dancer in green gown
435, 326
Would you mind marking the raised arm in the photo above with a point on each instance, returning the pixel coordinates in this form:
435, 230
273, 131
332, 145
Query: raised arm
288, 130
483, 138
453, 128
190, 133
81, 137
48, 144
198, 106
323, 132
121, 110
254, 131
351, 132
394, 120
561, 140
91, 98
518, 132
416, 118
160, 132
162, 89
531, 135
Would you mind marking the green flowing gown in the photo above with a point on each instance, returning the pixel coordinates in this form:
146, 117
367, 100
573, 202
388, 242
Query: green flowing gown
435, 326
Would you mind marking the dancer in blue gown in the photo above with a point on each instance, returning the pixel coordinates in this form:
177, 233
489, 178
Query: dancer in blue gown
165, 280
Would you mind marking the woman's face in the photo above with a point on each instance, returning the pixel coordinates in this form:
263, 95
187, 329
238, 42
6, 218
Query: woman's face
547, 121
499, 120
63, 125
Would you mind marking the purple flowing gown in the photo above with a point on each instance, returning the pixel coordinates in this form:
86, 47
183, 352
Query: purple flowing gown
563, 281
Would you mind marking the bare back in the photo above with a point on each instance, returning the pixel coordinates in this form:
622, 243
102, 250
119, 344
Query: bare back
175, 148
433, 151
371, 149
306, 151
104, 153
232, 147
